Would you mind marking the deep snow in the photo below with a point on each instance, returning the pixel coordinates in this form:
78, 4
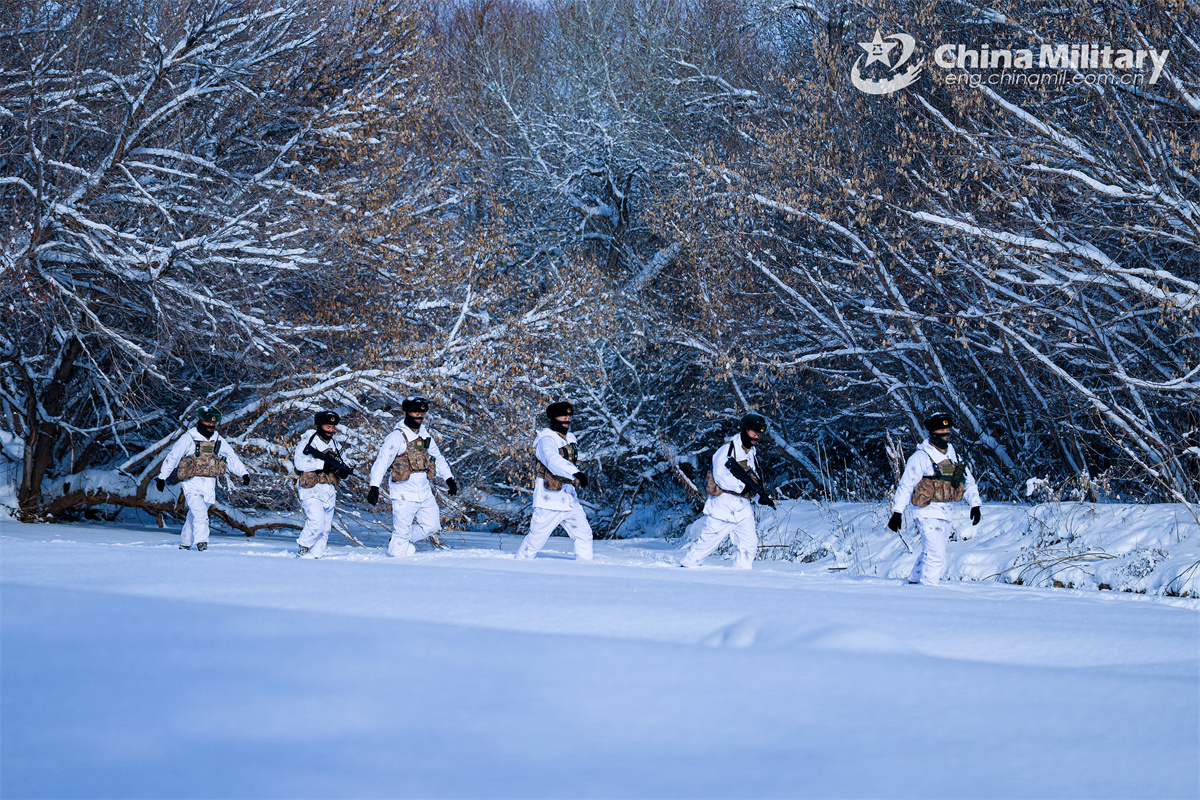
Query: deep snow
131, 668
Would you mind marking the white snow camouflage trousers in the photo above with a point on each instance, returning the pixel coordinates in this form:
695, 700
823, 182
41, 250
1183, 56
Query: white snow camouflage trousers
412, 521
543, 523
935, 533
198, 499
742, 534
318, 504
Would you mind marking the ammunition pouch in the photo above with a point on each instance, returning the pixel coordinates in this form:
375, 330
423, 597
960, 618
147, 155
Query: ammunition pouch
307, 480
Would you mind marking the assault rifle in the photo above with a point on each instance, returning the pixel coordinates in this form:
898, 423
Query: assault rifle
332, 463
746, 477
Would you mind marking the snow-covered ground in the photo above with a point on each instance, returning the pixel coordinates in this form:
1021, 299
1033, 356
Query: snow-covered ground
131, 669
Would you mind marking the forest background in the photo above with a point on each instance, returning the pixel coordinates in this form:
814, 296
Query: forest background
668, 211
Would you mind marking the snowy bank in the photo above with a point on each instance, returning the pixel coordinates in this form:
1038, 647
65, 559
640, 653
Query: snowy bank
1152, 549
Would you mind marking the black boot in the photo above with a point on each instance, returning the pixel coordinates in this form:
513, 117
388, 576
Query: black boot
202, 546
301, 550
185, 547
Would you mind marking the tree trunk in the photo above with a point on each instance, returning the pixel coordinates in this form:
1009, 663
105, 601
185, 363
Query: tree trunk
44, 431
84, 499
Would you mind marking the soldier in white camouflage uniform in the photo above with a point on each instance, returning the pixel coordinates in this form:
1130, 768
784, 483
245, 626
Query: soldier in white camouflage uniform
411, 458
731, 485
557, 476
202, 455
319, 471
934, 479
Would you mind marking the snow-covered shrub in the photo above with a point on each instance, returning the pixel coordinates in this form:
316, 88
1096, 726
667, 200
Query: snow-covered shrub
1139, 563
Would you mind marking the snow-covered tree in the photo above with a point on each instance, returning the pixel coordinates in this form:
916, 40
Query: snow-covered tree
579, 113
1028, 256
165, 168
670, 211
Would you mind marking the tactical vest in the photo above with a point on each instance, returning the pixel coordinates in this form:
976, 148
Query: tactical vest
206, 462
552, 482
946, 485
716, 491
415, 458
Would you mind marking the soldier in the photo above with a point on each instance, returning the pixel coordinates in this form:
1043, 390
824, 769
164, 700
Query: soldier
202, 455
554, 499
319, 471
413, 458
933, 478
734, 479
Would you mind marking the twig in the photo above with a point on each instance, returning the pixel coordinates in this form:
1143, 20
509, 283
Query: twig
341, 528
1088, 557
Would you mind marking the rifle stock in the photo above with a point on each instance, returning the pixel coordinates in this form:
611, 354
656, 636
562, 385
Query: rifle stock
745, 477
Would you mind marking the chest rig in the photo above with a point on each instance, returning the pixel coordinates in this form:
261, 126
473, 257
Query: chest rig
415, 458
552, 482
946, 485
205, 462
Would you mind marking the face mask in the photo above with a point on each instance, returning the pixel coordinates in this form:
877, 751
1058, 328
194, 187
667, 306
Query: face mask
206, 429
940, 440
413, 423
560, 427
747, 442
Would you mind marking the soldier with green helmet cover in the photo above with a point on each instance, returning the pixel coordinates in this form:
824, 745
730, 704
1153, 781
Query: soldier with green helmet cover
201, 455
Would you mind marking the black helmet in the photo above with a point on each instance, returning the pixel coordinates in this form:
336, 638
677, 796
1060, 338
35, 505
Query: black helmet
414, 402
208, 414
939, 419
326, 418
559, 409
753, 422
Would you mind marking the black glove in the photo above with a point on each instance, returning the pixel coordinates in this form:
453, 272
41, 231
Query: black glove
579, 476
974, 515
246, 479
373, 495
452, 486
160, 484
895, 522
764, 499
